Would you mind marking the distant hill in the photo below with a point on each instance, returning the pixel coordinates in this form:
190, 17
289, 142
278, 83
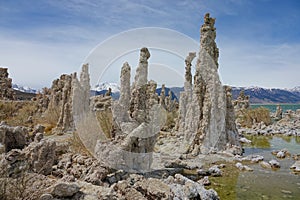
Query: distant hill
24, 89
258, 95
105, 86
263, 95
116, 94
24, 95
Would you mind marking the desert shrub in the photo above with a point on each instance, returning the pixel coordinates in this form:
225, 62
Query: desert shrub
248, 116
48, 128
18, 186
3, 182
23, 114
17, 113
50, 117
7, 109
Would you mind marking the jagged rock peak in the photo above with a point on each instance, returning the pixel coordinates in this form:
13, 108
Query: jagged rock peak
206, 113
6, 90
60, 101
85, 77
141, 75
242, 102
137, 119
81, 93
188, 68
121, 108
208, 36
125, 85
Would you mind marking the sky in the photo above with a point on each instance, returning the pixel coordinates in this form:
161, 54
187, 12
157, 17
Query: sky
259, 40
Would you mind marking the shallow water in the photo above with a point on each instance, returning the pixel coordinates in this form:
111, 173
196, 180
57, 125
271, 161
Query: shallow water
262, 183
272, 107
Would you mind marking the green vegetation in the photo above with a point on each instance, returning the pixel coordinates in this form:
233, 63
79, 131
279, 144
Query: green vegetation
258, 141
225, 186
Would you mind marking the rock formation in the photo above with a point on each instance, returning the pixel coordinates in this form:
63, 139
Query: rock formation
43, 99
242, 102
60, 103
6, 91
162, 96
186, 96
206, 113
81, 94
121, 109
41, 156
12, 137
165, 100
139, 106
67, 97
278, 113
99, 103
137, 119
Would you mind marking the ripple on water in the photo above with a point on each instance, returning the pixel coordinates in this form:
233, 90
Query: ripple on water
266, 183
262, 183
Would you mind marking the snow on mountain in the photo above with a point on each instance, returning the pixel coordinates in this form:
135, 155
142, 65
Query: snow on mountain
295, 89
105, 86
24, 89
268, 95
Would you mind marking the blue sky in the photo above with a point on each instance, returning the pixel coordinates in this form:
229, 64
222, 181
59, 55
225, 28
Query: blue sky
259, 40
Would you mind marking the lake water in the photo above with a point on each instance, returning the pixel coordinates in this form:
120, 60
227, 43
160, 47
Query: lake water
272, 107
262, 183
269, 184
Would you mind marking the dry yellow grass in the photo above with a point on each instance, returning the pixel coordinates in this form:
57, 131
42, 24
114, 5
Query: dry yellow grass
50, 118
17, 113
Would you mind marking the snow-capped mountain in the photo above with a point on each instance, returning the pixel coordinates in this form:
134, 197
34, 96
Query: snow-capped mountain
105, 86
24, 89
257, 94
269, 95
295, 89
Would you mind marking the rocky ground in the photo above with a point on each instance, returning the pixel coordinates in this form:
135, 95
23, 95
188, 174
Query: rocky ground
49, 168
65, 145
56, 167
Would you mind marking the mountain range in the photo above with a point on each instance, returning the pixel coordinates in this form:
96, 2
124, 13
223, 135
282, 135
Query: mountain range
258, 95
25, 89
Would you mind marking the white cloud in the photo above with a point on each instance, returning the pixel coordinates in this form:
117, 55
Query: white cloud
36, 64
168, 48
246, 64
35, 55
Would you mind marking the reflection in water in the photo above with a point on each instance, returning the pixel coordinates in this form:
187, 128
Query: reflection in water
297, 139
258, 141
265, 183
262, 183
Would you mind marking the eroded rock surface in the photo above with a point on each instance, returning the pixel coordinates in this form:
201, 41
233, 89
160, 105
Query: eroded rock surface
6, 91
137, 120
206, 112
12, 137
